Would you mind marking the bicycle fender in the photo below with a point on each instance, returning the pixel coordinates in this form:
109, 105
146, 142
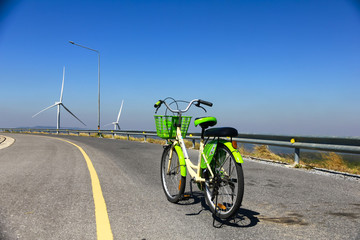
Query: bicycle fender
181, 160
210, 148
234, 151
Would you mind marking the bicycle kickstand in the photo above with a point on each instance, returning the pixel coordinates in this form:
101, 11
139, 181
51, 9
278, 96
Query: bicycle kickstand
191, 189
191, 195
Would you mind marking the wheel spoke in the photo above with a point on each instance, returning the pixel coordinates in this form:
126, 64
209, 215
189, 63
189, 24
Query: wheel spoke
224, 192
172, 181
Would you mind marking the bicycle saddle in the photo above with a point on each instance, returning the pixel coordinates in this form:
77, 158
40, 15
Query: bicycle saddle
205, 122
221, 132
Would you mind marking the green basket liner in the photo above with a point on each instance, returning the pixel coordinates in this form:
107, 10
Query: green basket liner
166, 126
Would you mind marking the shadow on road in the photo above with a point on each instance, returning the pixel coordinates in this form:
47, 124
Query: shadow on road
243, 219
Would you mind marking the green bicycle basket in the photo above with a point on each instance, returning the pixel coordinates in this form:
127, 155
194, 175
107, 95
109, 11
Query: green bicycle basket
166, 126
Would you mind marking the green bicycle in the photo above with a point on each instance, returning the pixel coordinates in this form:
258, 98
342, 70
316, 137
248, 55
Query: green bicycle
218, 172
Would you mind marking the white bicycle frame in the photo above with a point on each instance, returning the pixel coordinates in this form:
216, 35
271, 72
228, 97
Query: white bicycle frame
194, 170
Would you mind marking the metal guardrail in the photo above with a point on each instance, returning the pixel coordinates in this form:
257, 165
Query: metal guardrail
333, 144
78, 132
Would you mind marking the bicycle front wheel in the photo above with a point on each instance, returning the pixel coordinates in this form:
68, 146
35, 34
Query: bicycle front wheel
172, 181
224, 191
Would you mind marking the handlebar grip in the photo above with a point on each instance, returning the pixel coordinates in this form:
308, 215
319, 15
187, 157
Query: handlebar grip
158, 104
205, 103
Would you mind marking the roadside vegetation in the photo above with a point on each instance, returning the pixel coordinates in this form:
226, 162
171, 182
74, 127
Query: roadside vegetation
333, 161
328, 160
347, 163
309, 160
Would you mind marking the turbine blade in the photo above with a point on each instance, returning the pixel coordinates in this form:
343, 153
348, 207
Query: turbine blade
118, 125
72, 114
120, 111
45, 109
107, 124
62, 86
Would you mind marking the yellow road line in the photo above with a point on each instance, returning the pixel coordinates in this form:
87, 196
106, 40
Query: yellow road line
103, 228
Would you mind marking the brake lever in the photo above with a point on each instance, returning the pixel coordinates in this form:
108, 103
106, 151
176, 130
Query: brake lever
203, 108
198, 105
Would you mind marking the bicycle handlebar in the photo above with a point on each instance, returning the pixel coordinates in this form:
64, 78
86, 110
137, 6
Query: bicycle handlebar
197, 103
158, 104
205, 103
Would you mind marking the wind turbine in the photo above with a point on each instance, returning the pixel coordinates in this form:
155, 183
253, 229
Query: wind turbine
58, 104
116, 124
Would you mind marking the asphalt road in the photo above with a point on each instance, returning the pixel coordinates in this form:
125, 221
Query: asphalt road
46, 193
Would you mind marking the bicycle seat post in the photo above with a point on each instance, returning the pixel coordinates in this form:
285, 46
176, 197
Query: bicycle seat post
202, 133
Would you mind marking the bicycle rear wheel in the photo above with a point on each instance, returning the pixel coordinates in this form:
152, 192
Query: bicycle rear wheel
224, 192
172, 181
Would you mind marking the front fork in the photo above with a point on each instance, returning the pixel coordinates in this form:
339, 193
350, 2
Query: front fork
170, 159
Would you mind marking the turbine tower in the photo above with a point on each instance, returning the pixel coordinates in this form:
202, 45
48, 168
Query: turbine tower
116, 124
58, 104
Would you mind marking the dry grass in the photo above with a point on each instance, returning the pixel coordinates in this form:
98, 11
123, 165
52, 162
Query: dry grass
333, 161
188, 144
107, 136
84, 134
46, 133
243, 151
263, 151
328, 160
156, 141
120, 137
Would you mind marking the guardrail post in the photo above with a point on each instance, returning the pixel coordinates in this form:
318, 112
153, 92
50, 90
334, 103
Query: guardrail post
144, 138
297, 155
128, 137
193, 143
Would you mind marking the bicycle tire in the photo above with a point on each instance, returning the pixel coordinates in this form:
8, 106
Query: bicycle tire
173, 183
229, 184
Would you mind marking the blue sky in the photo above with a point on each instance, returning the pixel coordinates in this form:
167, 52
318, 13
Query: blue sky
283, 67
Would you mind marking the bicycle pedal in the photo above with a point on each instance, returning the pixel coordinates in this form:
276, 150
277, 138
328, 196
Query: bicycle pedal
186, 195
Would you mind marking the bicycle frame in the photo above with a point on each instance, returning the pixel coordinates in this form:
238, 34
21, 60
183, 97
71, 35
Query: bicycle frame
194, 170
